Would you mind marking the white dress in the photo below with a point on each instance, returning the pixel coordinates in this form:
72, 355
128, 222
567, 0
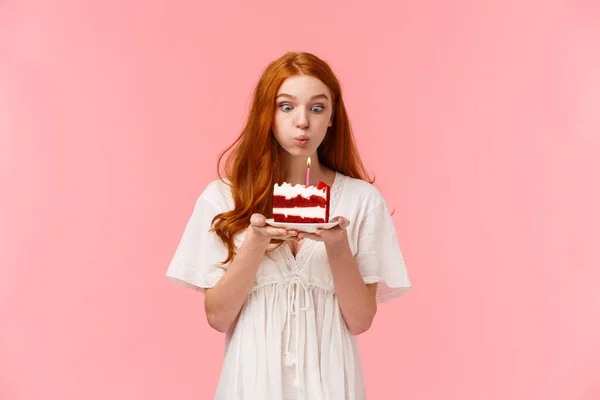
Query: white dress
290, 340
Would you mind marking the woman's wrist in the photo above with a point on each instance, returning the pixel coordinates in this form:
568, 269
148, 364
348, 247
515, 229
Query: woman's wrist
337, 246
255, 240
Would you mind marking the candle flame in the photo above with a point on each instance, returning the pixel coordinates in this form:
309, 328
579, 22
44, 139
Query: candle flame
308, 163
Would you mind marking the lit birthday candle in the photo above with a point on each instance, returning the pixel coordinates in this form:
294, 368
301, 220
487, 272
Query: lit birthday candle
308, 172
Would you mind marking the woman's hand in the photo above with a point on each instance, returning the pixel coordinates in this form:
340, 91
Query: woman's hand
335, 235
260, 229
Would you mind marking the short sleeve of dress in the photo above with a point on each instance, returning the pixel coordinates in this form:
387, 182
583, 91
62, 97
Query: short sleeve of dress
196, 262
378, 256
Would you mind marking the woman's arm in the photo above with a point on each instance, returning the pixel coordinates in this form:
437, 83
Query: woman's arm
356, 298
224, 301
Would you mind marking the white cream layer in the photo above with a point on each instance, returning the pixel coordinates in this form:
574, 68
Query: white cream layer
289, 191
305, 212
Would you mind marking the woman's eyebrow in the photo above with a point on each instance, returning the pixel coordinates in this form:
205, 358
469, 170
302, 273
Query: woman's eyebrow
318, 96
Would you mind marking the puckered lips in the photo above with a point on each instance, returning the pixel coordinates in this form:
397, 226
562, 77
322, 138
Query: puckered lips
301, 141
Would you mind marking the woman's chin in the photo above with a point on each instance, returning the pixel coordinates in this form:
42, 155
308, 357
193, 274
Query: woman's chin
299, 152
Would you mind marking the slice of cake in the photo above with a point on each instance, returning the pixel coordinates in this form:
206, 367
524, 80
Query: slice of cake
301, 204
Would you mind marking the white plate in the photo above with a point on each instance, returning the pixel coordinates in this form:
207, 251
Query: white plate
309, 228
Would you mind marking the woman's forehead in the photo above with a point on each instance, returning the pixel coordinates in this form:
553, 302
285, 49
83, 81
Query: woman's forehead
303, 87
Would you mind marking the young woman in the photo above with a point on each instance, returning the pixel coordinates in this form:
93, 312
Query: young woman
290, 302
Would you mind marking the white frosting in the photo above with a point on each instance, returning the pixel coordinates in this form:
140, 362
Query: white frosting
306, 212
289, 191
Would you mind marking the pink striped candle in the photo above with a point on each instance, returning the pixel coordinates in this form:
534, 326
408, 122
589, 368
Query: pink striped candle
308, 172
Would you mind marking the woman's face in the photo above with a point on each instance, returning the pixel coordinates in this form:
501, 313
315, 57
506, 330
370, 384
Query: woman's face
302, 115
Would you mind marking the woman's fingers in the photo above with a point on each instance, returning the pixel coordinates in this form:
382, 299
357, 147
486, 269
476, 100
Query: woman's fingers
259, 224
275, 233
280, 232
289, 234
258, 220
328, 235
312, 236
344, 223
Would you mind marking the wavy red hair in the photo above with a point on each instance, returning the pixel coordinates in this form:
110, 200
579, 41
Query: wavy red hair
254, 165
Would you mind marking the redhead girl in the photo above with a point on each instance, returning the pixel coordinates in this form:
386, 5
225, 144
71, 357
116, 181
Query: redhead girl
291, 303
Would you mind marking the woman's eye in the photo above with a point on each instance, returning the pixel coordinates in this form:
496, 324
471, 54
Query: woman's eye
288, 108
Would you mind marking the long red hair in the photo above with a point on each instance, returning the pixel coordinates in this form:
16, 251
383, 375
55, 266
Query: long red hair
254, 165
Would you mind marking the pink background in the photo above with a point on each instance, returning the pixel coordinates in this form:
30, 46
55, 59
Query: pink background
481, 121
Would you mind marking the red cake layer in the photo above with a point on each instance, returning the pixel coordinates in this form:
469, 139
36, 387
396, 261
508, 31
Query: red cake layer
296, 219
299, 201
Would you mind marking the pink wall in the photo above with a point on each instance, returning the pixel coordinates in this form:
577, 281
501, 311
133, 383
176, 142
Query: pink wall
480, 120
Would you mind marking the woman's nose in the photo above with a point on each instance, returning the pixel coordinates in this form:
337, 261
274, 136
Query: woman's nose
301, 120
